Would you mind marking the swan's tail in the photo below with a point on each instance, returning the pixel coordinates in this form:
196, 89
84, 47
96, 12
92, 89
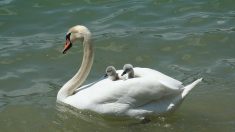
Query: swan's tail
190, 87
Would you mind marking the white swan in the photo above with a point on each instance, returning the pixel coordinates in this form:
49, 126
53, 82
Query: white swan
151, 93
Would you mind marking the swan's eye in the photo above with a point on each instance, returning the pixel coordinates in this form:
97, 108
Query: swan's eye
128, 70
68, 36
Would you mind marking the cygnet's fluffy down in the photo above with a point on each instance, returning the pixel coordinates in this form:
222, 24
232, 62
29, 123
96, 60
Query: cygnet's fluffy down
111, 73
128, 69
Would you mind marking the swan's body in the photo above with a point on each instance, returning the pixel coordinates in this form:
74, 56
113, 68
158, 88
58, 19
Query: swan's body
150, 93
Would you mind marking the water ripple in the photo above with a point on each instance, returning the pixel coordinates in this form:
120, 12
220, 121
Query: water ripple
173, 36
5, 2
5, 11
117, 13
37, 41
8, 75
35, 89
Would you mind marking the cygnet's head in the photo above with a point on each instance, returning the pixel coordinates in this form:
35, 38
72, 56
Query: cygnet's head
111, 73
128, 69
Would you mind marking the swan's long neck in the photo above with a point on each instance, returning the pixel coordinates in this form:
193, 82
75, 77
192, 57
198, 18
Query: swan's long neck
81, 75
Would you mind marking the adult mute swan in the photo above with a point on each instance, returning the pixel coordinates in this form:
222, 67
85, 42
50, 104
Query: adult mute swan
151, 92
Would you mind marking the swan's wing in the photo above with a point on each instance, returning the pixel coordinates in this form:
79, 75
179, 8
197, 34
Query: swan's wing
164, 79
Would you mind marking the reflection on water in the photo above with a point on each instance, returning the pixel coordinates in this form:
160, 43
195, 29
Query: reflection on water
89, 121
183, 39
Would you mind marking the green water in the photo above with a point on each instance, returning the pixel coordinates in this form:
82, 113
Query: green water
184, 39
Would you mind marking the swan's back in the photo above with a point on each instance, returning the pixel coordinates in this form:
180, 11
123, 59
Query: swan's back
151, 92
164, 79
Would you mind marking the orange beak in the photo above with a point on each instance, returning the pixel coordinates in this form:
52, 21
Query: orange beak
67, 46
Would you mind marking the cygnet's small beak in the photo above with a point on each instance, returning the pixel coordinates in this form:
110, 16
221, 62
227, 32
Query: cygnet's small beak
67, 46
105, 75
124, 72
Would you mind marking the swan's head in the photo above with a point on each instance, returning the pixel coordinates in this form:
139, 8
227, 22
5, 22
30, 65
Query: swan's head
78, 32
111, 73
127, 69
